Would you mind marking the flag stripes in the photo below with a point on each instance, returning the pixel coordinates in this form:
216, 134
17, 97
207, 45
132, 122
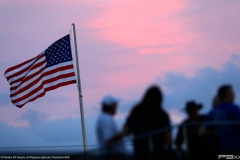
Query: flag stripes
32, 78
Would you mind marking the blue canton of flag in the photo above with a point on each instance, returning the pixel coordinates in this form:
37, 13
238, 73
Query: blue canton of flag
59, 52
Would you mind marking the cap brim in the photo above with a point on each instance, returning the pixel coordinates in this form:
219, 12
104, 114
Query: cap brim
199, 106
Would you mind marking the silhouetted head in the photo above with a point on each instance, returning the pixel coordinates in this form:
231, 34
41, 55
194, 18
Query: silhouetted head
153, 97
109, 105
192, 109
226, 94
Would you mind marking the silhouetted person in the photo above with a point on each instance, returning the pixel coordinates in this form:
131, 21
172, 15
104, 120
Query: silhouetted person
195, 143
108, 134
212, 148
226, 110
145, 117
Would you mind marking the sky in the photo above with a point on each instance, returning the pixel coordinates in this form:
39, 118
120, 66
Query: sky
187, 48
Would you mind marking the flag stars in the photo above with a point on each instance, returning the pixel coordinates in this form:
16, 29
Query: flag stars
59, 52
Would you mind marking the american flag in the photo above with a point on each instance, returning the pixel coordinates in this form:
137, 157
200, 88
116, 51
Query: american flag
49, 70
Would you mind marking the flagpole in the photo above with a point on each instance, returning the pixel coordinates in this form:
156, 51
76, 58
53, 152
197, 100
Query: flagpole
80, 96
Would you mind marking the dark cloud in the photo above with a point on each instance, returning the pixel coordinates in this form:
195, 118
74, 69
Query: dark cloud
60, 132
18, 137
235, 57
33, 117
202, 87
41, 132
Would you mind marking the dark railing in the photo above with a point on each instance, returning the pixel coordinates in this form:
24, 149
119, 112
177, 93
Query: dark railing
78, 149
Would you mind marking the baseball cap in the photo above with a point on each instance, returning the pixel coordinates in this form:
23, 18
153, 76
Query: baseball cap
192, 105
109, 100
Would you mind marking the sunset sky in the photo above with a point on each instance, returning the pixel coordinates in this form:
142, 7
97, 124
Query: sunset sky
188, 48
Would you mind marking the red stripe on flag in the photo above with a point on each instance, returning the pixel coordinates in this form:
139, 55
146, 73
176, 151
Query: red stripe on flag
34, 67
42, 86
43, 75
30, 85
27, 68
48, 89
27, 78
18, 66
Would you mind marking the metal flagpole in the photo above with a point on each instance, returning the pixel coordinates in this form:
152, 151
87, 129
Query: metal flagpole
80, 96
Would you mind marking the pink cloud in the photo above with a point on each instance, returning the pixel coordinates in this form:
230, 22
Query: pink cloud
172, 28
141, 23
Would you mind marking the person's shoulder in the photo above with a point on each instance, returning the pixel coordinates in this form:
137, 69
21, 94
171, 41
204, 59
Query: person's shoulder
217, 108
162, 111
210, 114
234, 108
104, 117
135, 110
164, 115
235, 105
230, 107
